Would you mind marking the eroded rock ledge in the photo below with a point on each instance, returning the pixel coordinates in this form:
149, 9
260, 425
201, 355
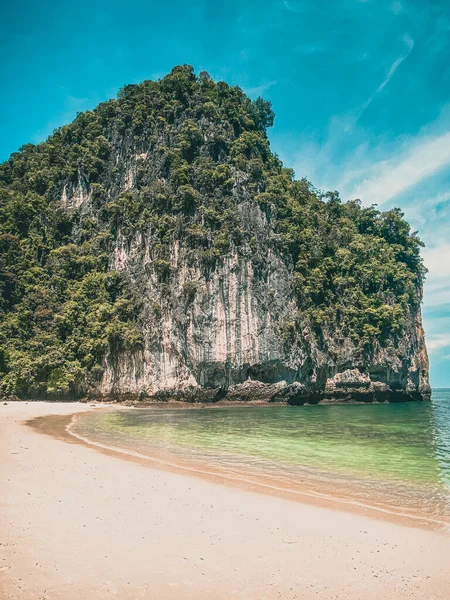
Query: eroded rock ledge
349, 386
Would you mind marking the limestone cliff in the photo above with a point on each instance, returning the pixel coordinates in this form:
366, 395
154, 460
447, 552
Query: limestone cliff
249, 285
228, 338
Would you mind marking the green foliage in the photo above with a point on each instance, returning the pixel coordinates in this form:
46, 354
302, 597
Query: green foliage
186, 199
250, 144
162, 268
357, 270
61, 311
172, 161
263, 114
190, 290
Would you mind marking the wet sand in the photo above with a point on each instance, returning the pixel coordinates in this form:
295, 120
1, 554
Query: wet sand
81, 523
314, 489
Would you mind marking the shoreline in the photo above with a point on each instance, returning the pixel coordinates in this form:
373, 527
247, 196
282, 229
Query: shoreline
59, 428
77, 522
223, 402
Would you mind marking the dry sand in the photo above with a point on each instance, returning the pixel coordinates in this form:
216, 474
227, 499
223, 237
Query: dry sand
76, 523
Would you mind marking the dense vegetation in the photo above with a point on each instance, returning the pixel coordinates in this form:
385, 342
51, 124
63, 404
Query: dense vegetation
201, 148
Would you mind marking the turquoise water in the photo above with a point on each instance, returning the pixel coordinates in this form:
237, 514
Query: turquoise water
391, 455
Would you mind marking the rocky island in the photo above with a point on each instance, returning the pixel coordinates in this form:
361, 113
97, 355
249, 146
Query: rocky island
156, 248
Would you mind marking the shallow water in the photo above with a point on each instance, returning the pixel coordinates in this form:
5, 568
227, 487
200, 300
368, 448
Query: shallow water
394, 456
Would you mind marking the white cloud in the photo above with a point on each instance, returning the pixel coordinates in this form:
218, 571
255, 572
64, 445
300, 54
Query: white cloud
423, 209
437, 284
390, 177
437, 261
436, 297
437, 334
437, 341
374, 173
436, 293
260, 89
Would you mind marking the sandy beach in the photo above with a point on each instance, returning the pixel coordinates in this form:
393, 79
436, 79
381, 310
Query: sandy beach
79, 523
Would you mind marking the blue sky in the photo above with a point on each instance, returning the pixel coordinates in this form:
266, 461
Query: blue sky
361, 90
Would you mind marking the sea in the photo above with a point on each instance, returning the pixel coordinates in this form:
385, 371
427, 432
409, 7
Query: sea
392, 458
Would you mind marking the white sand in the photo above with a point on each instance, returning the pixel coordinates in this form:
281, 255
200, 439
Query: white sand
79, 524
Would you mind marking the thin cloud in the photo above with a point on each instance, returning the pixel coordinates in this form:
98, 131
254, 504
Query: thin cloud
396, 7
424, 209
391, 177
260, 89
436, 298
409, 42
437, 261
437, 285
291, 8
437, 341
377, 174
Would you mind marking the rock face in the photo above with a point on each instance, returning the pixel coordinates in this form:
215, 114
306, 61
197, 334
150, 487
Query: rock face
227, 339
233, 302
